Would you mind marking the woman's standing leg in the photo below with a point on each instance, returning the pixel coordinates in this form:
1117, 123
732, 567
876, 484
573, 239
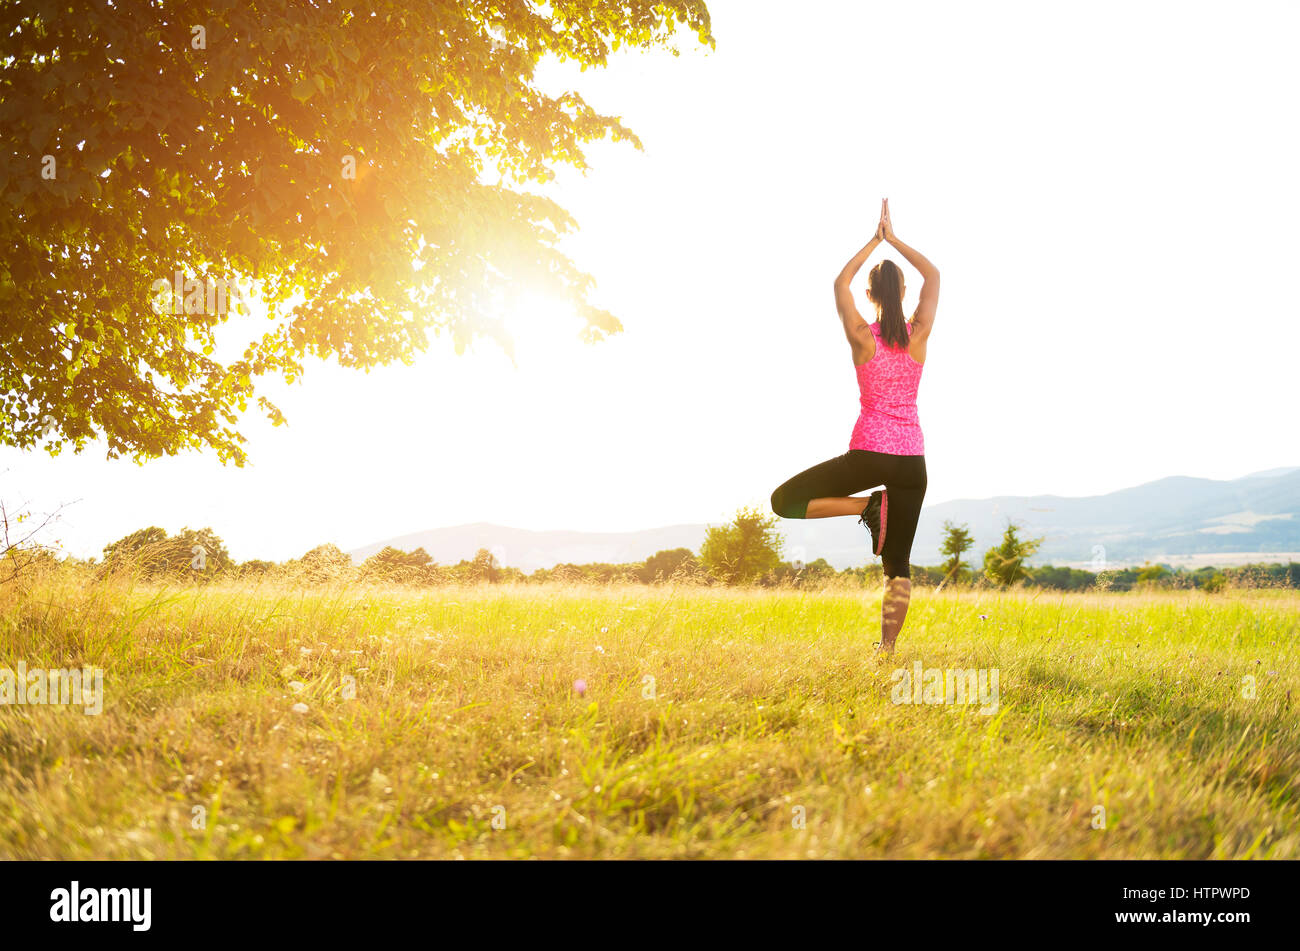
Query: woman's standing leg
906, 493
893, 610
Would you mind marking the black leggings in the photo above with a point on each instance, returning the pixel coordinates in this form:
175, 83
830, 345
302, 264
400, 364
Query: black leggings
856, 471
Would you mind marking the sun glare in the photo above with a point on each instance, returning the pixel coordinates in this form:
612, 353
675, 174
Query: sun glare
542, 328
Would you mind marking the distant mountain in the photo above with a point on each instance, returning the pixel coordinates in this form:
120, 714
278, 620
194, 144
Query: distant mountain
1268, 473
1179, 520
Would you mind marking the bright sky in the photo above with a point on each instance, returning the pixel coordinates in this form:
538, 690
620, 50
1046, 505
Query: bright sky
1109, 190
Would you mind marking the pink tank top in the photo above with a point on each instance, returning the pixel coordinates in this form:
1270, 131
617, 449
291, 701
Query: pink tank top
888, 383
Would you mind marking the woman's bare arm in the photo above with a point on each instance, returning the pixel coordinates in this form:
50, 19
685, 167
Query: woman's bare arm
856, 329
923, 319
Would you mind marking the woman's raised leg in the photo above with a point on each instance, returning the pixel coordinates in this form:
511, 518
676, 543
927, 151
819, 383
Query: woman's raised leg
828, 507
826, 489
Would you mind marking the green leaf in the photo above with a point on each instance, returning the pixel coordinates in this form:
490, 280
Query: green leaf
41, 131
303, 90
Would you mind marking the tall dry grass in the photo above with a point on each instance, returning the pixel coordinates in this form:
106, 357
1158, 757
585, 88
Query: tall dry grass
715, 723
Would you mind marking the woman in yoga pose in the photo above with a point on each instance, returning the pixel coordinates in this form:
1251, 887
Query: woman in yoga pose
887, 447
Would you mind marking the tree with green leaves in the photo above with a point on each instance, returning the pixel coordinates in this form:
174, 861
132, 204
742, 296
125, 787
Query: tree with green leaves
199, 554
375, 160
142, 548
204, 550
957, 540
400, 567
1064, 578
813, 573
322, 565
257, 568
662, 565
1004, 565
1152, 575
483, 567
745, 549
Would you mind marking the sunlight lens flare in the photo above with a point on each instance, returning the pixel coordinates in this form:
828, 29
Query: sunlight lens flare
542, 327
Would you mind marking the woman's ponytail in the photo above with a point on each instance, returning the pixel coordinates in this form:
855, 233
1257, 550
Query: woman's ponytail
885, 288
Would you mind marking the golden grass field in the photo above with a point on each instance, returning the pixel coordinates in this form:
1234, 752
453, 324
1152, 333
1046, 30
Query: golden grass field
768, 730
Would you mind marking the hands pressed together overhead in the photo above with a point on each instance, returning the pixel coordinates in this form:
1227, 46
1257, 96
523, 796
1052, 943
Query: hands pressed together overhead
885, 232
885, 229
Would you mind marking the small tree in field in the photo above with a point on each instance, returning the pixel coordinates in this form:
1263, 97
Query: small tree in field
484, 567
1152, 576
323, 564
744, 550
1004, 565
957, 540
392, 564
662, 565
198, 554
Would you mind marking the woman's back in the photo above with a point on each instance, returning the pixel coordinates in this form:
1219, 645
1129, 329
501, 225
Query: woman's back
887, 387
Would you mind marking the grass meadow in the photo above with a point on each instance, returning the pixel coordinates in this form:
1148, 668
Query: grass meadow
715, 723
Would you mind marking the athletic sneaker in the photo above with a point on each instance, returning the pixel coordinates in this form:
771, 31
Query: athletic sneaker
875, 516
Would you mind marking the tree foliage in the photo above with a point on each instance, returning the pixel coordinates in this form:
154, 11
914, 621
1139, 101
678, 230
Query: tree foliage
743, 550
322, 565
483, 567
197, 554
373, 159
1151, 574
400, 567
957, 540
663, 565
1004, 565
